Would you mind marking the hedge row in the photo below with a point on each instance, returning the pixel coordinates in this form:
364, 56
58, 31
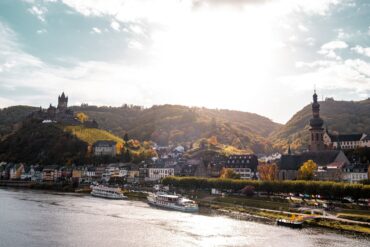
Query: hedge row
323, 188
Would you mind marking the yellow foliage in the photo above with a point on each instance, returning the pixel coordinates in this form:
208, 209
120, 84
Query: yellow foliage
92, 135
306, 171
82, 117
228, 173
267, 172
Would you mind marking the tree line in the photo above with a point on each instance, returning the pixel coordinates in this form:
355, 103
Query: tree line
334, 190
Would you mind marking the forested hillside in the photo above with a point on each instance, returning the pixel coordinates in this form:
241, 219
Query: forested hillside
171, 124
343, 117
11, 116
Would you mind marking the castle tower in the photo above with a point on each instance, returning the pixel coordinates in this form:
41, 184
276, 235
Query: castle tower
316, 129
62, 102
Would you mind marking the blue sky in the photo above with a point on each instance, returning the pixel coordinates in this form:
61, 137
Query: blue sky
256, 56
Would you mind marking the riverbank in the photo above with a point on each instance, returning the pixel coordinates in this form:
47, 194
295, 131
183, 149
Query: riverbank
266, 211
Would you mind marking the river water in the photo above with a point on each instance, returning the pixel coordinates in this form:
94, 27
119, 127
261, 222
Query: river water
38, 218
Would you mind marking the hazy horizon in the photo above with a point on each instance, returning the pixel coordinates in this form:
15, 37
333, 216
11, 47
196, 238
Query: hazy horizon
263, 57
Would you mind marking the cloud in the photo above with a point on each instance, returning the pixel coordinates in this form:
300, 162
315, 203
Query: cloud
361, 50
302, 28
329, 48
39, 12
351, 74
115, 25
96, 30
41, 31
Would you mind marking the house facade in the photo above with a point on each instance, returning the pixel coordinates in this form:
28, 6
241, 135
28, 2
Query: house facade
346, 142
353, 173
158, 173
104, 148
243, 165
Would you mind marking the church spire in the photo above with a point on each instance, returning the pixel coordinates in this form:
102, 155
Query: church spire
316, 129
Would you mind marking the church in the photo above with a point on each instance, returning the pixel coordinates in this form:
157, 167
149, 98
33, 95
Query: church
318, 152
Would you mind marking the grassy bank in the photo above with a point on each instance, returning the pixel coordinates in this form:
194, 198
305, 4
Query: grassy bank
136, 195
272, 210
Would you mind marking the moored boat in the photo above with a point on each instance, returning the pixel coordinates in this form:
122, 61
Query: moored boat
174, 202
290, 223
107, 192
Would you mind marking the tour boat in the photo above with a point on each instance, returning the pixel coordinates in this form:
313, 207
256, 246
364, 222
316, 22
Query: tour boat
174, 202
290, 223
107, 192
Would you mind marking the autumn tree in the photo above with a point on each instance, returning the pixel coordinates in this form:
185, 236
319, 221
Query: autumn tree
306, 171
213, 140
267, 172
82, 117
229, 173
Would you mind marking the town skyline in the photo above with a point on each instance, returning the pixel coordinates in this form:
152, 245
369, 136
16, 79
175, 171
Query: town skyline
263, 58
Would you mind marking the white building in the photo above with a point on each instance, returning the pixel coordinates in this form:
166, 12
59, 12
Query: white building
155, 174
350, 141
355, 172
102, 148
243, 165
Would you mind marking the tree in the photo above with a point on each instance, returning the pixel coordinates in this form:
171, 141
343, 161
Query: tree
229, 173
82, 117
125, 138
306, 171
267, 172
213, 140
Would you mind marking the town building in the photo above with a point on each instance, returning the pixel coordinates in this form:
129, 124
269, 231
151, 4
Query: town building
157, 173
290, 163
354, 173
49, 173
104, 148
346, 141
243, 165
330, 172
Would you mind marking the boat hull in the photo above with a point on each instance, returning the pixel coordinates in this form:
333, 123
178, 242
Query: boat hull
174, 207
295, 225
112, 197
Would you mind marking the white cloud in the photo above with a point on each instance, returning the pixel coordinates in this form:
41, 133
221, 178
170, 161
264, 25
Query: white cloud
41, 31
329, 48
96, 30
302, 28
361, 50
115, 25
351, 74
39, 12
310, 41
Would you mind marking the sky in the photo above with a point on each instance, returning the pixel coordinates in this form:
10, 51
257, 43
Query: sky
260, 56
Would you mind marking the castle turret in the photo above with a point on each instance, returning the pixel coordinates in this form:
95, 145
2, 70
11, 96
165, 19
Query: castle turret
62, 102
316, 129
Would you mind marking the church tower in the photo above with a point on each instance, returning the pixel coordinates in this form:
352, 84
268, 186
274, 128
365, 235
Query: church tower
62, 102
316, 129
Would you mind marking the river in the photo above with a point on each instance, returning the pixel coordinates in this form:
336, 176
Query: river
39, 218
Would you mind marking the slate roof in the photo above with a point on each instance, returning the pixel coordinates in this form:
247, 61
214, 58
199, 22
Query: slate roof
321, 158
345, 138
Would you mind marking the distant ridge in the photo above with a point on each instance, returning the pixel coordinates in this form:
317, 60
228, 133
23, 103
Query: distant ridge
344, 117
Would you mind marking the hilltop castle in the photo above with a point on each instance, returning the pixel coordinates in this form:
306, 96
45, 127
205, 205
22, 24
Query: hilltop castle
60, 114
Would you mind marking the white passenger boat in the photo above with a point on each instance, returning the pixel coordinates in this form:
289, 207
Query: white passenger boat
107, 192
174, 202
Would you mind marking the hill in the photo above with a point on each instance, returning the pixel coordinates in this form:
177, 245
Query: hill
344, 117
173, 124
45, 144
138, 150
11, 117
